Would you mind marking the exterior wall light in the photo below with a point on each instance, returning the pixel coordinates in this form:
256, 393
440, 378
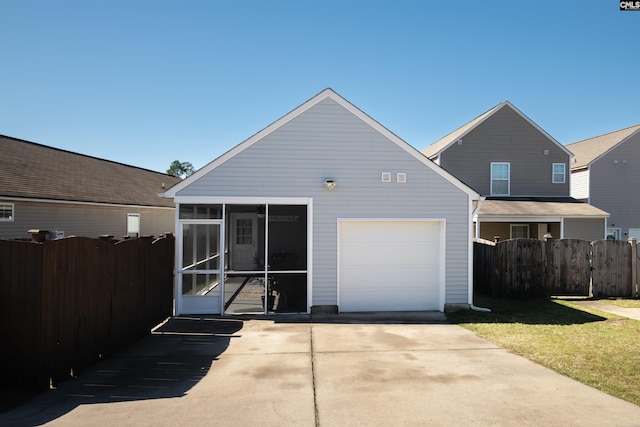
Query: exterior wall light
329, 184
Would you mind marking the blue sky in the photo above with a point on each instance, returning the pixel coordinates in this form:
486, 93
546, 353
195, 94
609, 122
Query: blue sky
151, 81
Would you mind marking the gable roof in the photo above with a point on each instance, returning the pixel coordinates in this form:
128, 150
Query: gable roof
325, 94
591, 149
435, 149
34, 171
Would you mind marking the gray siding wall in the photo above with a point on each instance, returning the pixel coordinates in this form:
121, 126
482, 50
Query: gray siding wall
614, 186
507, 137
586, 229
84, 220
327, 141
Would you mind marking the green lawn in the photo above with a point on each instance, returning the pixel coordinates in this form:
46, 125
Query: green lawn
596, 348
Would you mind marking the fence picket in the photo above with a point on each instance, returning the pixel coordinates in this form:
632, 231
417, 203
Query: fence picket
66, 303
611, 275
529, 267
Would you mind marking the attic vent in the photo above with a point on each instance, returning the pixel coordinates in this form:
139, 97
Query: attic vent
386, 176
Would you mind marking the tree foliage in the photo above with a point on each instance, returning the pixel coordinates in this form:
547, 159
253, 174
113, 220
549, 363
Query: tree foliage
180, 169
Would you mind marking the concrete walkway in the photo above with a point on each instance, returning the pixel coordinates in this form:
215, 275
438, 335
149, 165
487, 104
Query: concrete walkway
331, 371
631, 313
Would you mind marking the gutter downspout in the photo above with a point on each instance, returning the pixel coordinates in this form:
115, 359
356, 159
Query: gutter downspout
471, 306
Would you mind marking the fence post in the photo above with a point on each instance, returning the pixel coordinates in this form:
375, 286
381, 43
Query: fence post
634, 267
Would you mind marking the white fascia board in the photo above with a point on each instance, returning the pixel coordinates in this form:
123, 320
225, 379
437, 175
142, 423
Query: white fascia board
327, 93
542, 131
555, 218
487, 218
248, 142
454, 136
403, 144
614, 146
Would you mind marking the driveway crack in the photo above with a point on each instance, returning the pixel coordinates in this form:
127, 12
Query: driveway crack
313, 377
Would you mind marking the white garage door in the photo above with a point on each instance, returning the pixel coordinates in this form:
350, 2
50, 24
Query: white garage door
390, 265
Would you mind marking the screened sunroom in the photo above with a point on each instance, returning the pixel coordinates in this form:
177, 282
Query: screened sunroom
242, 258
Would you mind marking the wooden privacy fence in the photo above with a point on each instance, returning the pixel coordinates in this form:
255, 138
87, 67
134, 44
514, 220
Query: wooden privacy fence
66, 303
567, 267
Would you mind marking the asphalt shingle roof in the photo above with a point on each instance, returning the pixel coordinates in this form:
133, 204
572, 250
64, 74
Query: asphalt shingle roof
588, 150
544, 207
435, 148
30, 170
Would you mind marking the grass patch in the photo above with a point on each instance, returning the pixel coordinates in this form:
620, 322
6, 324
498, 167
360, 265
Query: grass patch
596, 348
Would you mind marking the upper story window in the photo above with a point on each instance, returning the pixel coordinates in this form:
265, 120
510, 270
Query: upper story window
6, 211
500, 176
558, 173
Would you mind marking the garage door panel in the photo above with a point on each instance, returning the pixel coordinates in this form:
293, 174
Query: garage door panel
412, 253
390, 265
380, 301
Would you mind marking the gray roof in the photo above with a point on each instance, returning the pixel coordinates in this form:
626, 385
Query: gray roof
33, 171
588, 150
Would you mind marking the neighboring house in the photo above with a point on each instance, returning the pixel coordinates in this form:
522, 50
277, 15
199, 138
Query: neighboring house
325, 210
524, 174
606, 173
72, 194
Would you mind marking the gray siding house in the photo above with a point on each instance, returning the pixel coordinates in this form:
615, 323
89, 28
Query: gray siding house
323, 210
69, 194
523, 174
606, 173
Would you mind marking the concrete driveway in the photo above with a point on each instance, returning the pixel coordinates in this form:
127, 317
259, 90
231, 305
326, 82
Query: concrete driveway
325, 371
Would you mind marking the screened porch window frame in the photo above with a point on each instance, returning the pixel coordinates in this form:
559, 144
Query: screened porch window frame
224, 202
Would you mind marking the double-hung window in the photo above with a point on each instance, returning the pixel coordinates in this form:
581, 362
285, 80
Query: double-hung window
558, 173
519, 231
6, 211
500, 176
133, 225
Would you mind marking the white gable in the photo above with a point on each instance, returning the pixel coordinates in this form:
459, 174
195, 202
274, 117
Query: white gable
319, 99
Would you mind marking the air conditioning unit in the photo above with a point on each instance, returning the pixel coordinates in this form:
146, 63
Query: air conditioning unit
56, 234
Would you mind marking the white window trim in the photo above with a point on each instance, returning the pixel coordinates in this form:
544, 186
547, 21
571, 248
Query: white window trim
508, 179
518, 225
616, 232
564, 173
13, 212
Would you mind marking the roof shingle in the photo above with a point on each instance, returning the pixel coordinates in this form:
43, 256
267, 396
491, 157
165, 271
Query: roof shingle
588, 150
30, 170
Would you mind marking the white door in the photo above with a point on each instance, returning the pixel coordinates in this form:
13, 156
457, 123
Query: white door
244, 241
390, 265
199, 286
